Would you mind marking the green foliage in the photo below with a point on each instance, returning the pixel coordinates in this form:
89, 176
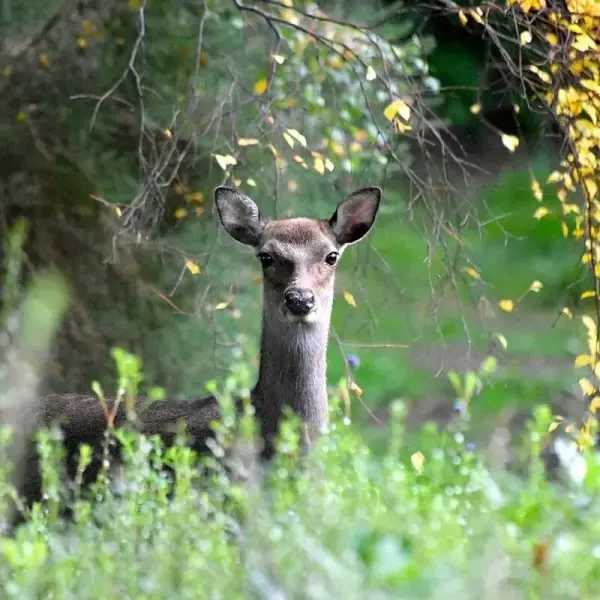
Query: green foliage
341, 522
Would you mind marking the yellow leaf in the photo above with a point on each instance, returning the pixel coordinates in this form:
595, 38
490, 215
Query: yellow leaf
525, 38
567, 311
7, 71
554, 177
371, 73
502, 340
594, 404
590, 325
349, 298
289, 139
251, 182
510, 141
552, 39
587, 387
477, 15
417, 460
473, 273
192, 267
397, 107
536, 286
221, 305
356, 389
260, 86
506, 305
462, 18
180, 213
565, 229
319, 165
118, 211
297, 136
21, 116
225, 160
278, 58
168, 134
329, 165
537, 190
553, 426
583, 43
541, 212
475, 108
583, 360
591, 188
587, 294
45, 61
194, 197
248, 141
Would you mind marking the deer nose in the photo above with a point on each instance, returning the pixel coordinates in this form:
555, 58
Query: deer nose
299, 302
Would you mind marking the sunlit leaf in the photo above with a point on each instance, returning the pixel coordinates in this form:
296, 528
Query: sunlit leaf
473, 273
417, 460
248, 141
510, 141
540, 213
506, 305
221, 305
289, 139
349, 298
192, 267
525, 38
594, 404
371, 74
279, 58
225, 160
251, 182
462, 18
553, 426
587, 294
587, 387
356, 389
319, 164
260, 86
536, 189
292, 186
475, 108
397, 107
567, 312
536, 286
502, 340
180, 213
583, 360
297, 136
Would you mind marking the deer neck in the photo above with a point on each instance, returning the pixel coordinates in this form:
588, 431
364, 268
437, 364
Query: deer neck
292, 372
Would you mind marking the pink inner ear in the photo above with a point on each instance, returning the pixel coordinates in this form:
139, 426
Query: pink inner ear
359, 216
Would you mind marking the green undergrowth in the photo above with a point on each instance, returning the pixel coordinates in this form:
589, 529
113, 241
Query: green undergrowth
425, 518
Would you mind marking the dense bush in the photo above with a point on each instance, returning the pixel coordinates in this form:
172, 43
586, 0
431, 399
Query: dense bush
431, 521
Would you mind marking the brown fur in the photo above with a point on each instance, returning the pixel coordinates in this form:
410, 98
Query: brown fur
293, 349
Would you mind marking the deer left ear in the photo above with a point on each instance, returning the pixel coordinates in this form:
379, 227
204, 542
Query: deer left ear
355, 215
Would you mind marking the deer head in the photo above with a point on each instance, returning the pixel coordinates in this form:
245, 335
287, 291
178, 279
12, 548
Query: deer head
298, 256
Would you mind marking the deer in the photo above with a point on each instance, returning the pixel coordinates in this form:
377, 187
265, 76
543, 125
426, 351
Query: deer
298, 257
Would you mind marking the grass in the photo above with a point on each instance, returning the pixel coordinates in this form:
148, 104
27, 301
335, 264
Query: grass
395, 304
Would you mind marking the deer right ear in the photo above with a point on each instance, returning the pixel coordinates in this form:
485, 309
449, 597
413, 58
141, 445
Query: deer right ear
239, 215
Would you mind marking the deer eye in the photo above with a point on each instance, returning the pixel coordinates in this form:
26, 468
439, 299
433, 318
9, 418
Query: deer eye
265, 259
332, 258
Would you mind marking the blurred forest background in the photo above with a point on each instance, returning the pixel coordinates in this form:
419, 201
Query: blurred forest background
119, 117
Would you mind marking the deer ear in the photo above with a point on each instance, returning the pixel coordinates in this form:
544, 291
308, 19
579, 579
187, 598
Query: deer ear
239, 215
355, 215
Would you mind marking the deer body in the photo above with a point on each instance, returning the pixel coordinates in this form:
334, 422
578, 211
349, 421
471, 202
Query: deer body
298, 258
